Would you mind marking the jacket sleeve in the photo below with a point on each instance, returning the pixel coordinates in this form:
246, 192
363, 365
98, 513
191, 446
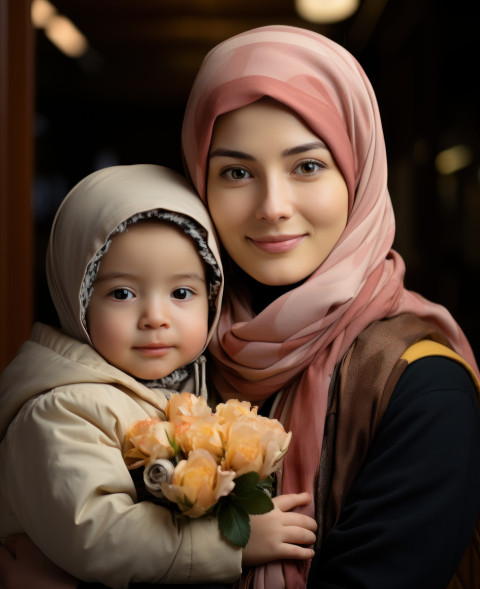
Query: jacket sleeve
68, 487
412, 509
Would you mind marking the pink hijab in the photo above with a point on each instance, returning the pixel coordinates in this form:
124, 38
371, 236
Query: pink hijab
294, 344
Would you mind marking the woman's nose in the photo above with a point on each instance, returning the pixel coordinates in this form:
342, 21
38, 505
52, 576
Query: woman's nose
154, 314
275, 201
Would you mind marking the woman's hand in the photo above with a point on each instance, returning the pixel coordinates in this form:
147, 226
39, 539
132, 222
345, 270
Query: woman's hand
23, 564
281, 533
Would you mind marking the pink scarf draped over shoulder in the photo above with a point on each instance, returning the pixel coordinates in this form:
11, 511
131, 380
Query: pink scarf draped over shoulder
294, 344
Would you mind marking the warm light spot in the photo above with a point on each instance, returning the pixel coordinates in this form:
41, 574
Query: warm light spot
453, 159
41, 12
59, 29
65, 35
326, 11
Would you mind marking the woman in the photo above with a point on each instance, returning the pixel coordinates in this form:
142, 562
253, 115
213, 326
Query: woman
283, 141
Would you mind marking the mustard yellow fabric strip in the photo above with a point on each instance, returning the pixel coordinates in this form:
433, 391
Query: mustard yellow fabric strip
426, 347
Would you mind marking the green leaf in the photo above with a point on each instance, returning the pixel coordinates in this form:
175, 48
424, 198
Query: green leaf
255, 501
251, 495
245, 483
176, 448
233, 522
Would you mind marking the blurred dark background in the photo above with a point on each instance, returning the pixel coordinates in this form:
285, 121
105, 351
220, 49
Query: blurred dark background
121, 100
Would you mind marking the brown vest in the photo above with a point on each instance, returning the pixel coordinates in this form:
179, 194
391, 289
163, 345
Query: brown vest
369, 372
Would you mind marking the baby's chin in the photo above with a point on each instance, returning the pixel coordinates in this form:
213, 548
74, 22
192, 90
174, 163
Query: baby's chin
149, 376
146, 375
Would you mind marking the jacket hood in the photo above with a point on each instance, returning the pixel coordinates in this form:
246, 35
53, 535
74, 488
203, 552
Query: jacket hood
93, 210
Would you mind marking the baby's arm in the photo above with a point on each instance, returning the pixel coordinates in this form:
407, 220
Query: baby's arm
69, 489
277, 534
23, 565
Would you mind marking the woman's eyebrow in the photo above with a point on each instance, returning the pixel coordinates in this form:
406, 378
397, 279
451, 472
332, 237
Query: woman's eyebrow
305, 147
223, 152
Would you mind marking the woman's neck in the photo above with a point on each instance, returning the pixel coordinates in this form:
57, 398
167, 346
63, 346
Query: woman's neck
261, 295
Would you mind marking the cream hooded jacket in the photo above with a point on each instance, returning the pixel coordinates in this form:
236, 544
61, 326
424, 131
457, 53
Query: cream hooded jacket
65, 411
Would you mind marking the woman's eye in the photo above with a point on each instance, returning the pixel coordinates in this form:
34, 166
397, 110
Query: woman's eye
182, 294
308, 167
236, 174
121, 294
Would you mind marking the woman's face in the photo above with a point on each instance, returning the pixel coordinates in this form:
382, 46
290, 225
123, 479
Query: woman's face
276, 196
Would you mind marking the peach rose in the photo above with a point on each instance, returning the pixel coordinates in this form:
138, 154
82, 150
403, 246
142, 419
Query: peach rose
255, 444
150, 439
275, 441
181, 404
233, 409
195, 432
230, 412
198, 483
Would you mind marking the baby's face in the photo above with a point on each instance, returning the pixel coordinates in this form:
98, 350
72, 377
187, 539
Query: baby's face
148, 314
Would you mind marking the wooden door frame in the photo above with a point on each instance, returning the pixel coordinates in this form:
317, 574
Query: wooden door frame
16, 173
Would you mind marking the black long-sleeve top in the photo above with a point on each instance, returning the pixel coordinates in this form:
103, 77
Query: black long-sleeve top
411, 511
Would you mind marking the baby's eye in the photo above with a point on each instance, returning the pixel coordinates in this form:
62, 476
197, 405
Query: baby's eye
182, 294
121, 294
308, 167
236, 174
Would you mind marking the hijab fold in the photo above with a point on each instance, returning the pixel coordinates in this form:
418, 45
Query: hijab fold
294, 344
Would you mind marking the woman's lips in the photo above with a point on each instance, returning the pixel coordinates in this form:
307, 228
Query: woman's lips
277, 244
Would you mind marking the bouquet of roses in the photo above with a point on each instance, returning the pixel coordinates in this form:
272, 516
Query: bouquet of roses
218, 462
